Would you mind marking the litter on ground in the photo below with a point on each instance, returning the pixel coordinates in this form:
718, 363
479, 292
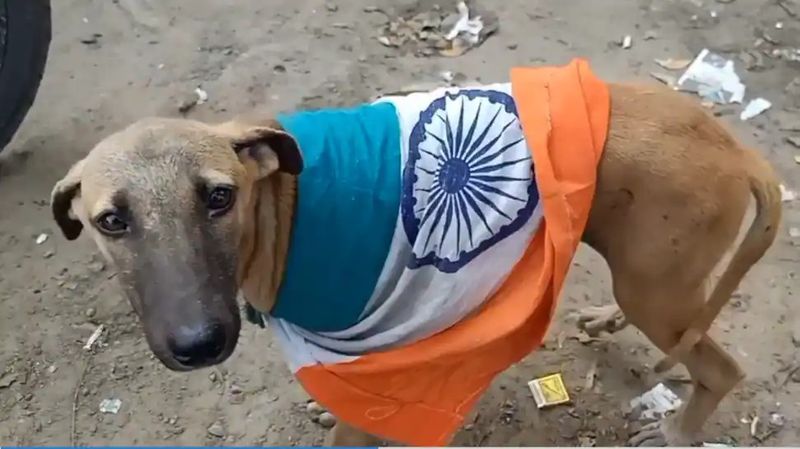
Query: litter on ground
94, 337
712, 77
437, 32
755, 107
627, 42
656, 403
111, 406
549, 390
202, 96
787, 195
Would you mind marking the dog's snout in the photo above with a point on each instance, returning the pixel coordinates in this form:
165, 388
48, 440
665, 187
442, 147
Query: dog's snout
197, 345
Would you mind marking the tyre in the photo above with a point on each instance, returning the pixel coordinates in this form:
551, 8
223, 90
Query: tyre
24, 41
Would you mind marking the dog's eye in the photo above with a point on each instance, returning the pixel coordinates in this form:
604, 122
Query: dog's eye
111, 224
220, 200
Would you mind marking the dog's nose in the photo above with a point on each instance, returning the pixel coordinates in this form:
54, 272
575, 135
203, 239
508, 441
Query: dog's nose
197, 345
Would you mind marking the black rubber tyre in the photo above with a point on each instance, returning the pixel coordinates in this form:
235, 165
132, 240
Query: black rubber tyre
24, 41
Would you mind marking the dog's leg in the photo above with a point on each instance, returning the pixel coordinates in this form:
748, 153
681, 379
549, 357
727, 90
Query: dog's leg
344, 434
661, 292
594, 320
714, 373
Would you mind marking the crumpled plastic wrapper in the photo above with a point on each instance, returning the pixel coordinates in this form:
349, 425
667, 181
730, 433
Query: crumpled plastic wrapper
714, 78
440, 32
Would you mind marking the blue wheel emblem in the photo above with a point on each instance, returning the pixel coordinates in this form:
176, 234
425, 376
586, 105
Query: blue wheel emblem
468, 182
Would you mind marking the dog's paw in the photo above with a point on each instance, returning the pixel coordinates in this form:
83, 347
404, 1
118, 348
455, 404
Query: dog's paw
319, 415
660, 434
651, 435
594, 320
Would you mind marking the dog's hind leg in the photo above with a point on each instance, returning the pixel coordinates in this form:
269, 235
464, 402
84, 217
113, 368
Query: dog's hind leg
661, 255
714, 373
596, 319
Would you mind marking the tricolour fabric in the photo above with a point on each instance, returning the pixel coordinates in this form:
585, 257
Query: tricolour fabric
492, 189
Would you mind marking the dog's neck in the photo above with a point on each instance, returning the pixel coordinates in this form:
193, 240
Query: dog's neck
265, 240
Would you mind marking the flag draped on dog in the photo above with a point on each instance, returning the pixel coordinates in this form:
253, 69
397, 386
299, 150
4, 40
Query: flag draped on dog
432, 235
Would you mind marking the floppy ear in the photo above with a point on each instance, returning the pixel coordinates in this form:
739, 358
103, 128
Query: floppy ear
61, 202
272, 149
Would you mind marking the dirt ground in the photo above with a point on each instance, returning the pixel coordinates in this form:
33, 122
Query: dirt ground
115, 61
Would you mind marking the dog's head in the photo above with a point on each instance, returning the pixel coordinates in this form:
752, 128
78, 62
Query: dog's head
166, 202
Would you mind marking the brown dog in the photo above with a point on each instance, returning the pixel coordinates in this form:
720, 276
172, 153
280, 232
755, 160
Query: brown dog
212, 207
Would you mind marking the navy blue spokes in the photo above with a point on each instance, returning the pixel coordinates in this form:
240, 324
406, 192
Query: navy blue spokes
467, 140
431, 154
477, 209
479, 140
476, 154
491, 189
448, 220
482, 198
463, 207
494, 178
492, 156
438, 217
496, 167
449, 134
438, 139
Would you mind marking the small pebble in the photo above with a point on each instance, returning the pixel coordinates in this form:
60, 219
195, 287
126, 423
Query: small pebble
97, 266
91, 38
216, 430
326, 420
90, 312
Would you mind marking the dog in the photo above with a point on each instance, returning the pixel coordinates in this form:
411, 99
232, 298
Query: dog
191, 214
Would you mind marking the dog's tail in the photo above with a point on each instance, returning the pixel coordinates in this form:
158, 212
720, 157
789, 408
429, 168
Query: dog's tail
765, 187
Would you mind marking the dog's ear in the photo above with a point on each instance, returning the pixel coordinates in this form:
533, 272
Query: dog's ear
272, 149
61, 202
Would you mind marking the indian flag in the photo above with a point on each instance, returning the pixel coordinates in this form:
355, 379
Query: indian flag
431, 237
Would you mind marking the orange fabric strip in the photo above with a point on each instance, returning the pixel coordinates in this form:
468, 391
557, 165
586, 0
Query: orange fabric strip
419, 394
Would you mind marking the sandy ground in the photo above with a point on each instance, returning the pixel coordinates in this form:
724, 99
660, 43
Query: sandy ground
280, 55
